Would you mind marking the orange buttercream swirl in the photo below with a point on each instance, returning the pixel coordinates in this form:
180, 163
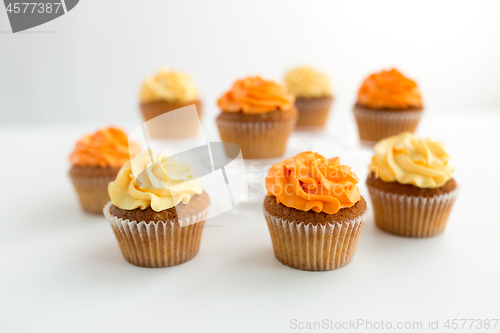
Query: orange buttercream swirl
108, 147
389, 90
254, 95
310, 181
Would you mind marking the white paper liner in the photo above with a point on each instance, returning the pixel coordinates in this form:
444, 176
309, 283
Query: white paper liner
375, 125
92, 192
411, 216
317, 247
313, 113
257, 139
176, 125
158, 244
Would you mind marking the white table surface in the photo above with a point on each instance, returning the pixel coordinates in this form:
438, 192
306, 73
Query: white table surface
61, 269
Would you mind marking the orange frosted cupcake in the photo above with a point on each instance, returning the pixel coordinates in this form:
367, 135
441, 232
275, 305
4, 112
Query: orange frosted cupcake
95, 162
313, 96
167, 91
388, 104
314, 212
258, 116
411, 186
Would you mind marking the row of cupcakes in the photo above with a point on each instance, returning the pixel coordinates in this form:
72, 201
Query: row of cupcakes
256, 114
259, 114
313, 208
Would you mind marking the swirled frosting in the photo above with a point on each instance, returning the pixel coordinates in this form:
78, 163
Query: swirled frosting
254, 95
161, 184
108, 147
308, 83
309, 181
407, 159
389, 90
170, 86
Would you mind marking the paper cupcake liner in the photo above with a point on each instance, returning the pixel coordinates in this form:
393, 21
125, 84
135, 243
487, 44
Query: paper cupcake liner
158, 244
375, 125
411, 216
176, 124
257, 139
92, 192
311, 247
313, 113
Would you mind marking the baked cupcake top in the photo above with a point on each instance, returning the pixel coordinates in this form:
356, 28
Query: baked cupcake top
389, 90
309, 181
161, 184
306, 82
108, 147
168, 85
407, 159
254, 95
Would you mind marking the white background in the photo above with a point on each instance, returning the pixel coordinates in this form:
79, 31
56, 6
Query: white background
61, 269
88, 64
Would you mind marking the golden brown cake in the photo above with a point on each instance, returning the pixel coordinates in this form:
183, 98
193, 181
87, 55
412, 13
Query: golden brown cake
411, 186
314, 96
388, 104
157, 213
95, 162
314, 212
258, 116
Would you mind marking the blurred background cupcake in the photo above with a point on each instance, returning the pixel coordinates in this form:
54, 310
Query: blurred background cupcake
313, 96
257, 115
388, 104
95, 162
157, 211
169, 90
314, 212
411, 186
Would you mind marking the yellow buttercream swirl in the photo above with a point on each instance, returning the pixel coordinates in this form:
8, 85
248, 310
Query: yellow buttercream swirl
407, 159
170, 86
161, 184
308, 83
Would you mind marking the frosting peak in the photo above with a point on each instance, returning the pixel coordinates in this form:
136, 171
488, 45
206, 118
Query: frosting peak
389, 90
170, 86
254, 95
309, 181
407, 159
161, 184
308, 83
108, 147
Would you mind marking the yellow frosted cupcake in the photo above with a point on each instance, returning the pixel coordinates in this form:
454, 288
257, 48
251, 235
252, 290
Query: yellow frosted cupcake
169, 90
157, 211
411, 186
314, 96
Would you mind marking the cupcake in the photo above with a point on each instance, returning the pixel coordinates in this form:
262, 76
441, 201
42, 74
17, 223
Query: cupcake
157, 211
95, 162
313, 96
314, 212
258, 116
167, 91
411, 186
388, 104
